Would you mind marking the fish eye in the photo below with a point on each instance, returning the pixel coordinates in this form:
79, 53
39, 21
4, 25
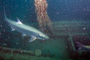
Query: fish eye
38, 34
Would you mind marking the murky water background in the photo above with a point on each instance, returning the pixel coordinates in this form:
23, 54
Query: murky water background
70, 18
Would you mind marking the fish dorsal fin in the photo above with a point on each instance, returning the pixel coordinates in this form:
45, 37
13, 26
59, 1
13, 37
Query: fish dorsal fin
32, 38
18, 21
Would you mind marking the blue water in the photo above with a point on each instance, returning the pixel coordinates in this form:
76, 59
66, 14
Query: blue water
57, 9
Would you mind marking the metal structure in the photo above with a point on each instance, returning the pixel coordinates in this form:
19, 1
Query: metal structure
74, 30
77, 31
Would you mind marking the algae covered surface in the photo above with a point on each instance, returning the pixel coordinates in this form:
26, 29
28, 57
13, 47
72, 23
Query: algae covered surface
10, 56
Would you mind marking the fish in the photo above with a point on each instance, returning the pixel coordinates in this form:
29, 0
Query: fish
83, 47
26, 30
4, 44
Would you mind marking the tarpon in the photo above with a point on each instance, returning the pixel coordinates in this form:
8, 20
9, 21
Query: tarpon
26, 30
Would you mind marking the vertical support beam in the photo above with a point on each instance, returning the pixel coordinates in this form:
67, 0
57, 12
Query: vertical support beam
88, 36
70, 38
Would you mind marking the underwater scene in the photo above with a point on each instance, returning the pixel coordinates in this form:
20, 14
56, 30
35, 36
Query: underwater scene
44, 29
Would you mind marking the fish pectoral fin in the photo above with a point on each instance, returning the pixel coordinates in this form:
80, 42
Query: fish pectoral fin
32, 39
23, 34
12, 29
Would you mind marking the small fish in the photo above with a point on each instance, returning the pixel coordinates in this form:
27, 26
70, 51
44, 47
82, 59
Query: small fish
4, 44
82, 47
